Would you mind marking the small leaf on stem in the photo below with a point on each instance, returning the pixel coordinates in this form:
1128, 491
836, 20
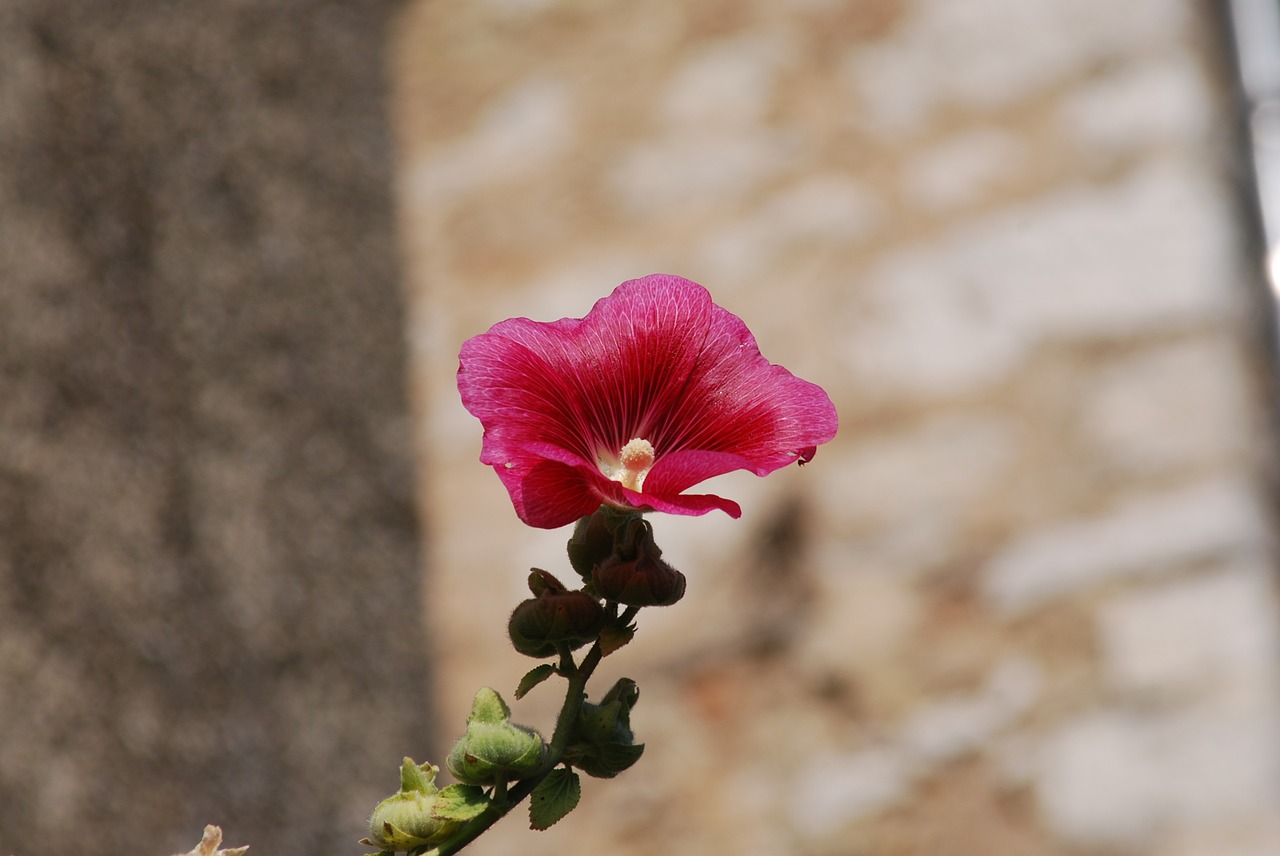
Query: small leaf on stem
554, 797
533, 677
614, 636
459, 802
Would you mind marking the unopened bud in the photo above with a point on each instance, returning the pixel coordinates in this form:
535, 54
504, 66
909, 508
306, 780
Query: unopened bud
592, 540
602, 743
494, 747
635, 573
555, 617
405, 820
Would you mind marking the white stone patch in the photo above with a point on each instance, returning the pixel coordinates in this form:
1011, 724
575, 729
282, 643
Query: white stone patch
830, 208
937, 467
1141, 535
1238, 836
520, 133
963, 168
838, 789
892, 91
1209, 633
949, 729
680, 171
995, 52
1160, 101
807, 5
1117, 779
961, 311
570, 287
1167, 408
1150, 250
519, 8
926, 328
988, 54
1000, 51
858, 619
714, 147
728, 84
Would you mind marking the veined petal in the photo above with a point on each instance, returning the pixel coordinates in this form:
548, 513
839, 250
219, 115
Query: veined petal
689, 504
655, 361
548, 494
680, 470
589, 380
739, 403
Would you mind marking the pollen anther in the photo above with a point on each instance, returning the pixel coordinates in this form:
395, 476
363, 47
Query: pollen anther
635, 460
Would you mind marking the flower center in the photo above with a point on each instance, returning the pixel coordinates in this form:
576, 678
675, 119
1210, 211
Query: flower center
634, 462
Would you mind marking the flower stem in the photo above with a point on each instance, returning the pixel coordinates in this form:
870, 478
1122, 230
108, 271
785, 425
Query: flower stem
573, 696
499, 794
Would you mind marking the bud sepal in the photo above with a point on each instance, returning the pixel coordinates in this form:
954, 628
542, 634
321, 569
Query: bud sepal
602, 743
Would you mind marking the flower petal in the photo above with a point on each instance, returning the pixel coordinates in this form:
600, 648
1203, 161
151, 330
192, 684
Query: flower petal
681, 470
590, 383
548, 494
739, 403
656, 360
613, 493
690, 504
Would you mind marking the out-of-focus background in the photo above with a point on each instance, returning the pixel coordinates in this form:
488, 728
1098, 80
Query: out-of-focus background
1022, 605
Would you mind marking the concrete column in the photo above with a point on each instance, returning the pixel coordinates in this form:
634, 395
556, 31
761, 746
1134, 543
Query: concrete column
209, 592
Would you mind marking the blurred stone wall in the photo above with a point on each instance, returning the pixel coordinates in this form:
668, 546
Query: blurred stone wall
209, 567
1024, 603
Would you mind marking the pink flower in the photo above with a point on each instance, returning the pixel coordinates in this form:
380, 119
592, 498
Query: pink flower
654, 391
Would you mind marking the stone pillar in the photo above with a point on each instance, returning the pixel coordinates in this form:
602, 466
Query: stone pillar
209, 581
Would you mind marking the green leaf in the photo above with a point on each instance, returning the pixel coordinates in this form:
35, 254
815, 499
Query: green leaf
614, 636
554, 797
459, 802
533, 677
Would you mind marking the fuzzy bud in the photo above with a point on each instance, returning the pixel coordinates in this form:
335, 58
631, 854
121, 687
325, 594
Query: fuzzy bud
602, 743
592, 541
405, 820
635, 573
494, 747
554, 617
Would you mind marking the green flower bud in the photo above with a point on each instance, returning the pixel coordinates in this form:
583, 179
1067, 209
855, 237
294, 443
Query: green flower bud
405, 820
602, 744
556, 616
635, 574
494, 747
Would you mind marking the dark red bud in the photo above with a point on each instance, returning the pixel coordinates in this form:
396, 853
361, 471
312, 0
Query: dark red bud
539, 625
635, 573
593, 538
